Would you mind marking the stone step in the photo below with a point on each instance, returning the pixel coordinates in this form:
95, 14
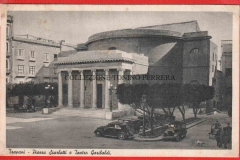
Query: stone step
81, 113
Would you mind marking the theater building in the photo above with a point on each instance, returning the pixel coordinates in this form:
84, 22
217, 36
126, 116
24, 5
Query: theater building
179, 50
90, 76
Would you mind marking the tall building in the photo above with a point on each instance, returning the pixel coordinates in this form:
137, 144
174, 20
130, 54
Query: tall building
9, 58
29, 58
180, 50
226, 66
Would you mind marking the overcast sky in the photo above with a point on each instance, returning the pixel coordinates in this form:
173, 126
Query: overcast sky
76, 27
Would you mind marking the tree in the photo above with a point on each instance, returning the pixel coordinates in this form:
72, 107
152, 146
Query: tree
194, 94
132, 95
30, 90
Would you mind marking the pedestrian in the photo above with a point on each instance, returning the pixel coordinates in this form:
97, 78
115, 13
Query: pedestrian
218, 137
229, 132
217, 125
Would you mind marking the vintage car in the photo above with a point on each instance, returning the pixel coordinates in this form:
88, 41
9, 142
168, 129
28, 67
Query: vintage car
115, 129
134, 124
175, 131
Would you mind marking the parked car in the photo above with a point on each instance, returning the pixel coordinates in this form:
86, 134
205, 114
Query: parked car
176, 130
114, 129
134, 124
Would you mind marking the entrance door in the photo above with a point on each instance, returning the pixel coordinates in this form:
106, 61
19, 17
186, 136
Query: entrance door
99, 95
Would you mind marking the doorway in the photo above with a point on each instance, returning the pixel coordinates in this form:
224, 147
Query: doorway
99, 95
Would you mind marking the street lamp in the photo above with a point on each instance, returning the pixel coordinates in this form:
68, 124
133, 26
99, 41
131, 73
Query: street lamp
112, 91
48, 100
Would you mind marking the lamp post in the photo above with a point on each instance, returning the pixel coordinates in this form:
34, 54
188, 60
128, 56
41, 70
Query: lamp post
112, 91
48, 90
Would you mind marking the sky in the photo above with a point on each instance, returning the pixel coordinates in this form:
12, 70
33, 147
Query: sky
76, 27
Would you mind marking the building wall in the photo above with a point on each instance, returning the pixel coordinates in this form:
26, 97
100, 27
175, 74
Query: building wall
191, 26
196, 62
9, 58
213, 61
39, 60
46, 74
218, 89
226, 63
146, 46
169, 63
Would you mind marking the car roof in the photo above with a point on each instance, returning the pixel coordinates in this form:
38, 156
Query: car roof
128, 119
115, 122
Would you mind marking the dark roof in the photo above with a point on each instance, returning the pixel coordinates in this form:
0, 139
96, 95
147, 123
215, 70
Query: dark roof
67, 53
116, 122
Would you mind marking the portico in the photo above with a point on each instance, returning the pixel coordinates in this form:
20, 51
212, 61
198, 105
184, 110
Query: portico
88, 76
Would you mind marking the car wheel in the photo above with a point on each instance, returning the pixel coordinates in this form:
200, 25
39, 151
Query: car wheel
98, 133
178, 138
121, 136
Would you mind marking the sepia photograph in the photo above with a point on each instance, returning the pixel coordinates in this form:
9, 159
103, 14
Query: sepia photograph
95, 82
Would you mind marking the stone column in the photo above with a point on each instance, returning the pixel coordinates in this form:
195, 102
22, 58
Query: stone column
107, 102
94, 90
81, 89
120, 76
130, 80
120, 81
70, 97
60, 92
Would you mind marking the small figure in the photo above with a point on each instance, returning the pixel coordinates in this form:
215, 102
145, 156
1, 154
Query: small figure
218, 137
217, 125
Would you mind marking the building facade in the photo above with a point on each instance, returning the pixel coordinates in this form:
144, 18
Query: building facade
181, 50
91, 80
226, 66
29, 58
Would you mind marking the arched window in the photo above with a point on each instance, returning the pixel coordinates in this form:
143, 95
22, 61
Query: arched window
112, 48
195, 50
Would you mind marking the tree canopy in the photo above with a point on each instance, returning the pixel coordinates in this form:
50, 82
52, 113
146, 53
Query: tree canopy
32, 89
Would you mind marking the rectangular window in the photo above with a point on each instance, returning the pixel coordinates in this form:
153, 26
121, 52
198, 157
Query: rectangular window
20, 69
212, 68
55, 55
46, 57
32, 70
213, 56
195, 50
32, 54
20, 52
7, 30
7, 45
228, 72
7, 63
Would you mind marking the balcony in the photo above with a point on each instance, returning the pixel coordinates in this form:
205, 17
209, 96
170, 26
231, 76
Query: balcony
20, 57
8, 70
32, 59
29, 75
46, 61
8, 54
20, 74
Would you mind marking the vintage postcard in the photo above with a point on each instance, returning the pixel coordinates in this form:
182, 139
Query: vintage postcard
149, 81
